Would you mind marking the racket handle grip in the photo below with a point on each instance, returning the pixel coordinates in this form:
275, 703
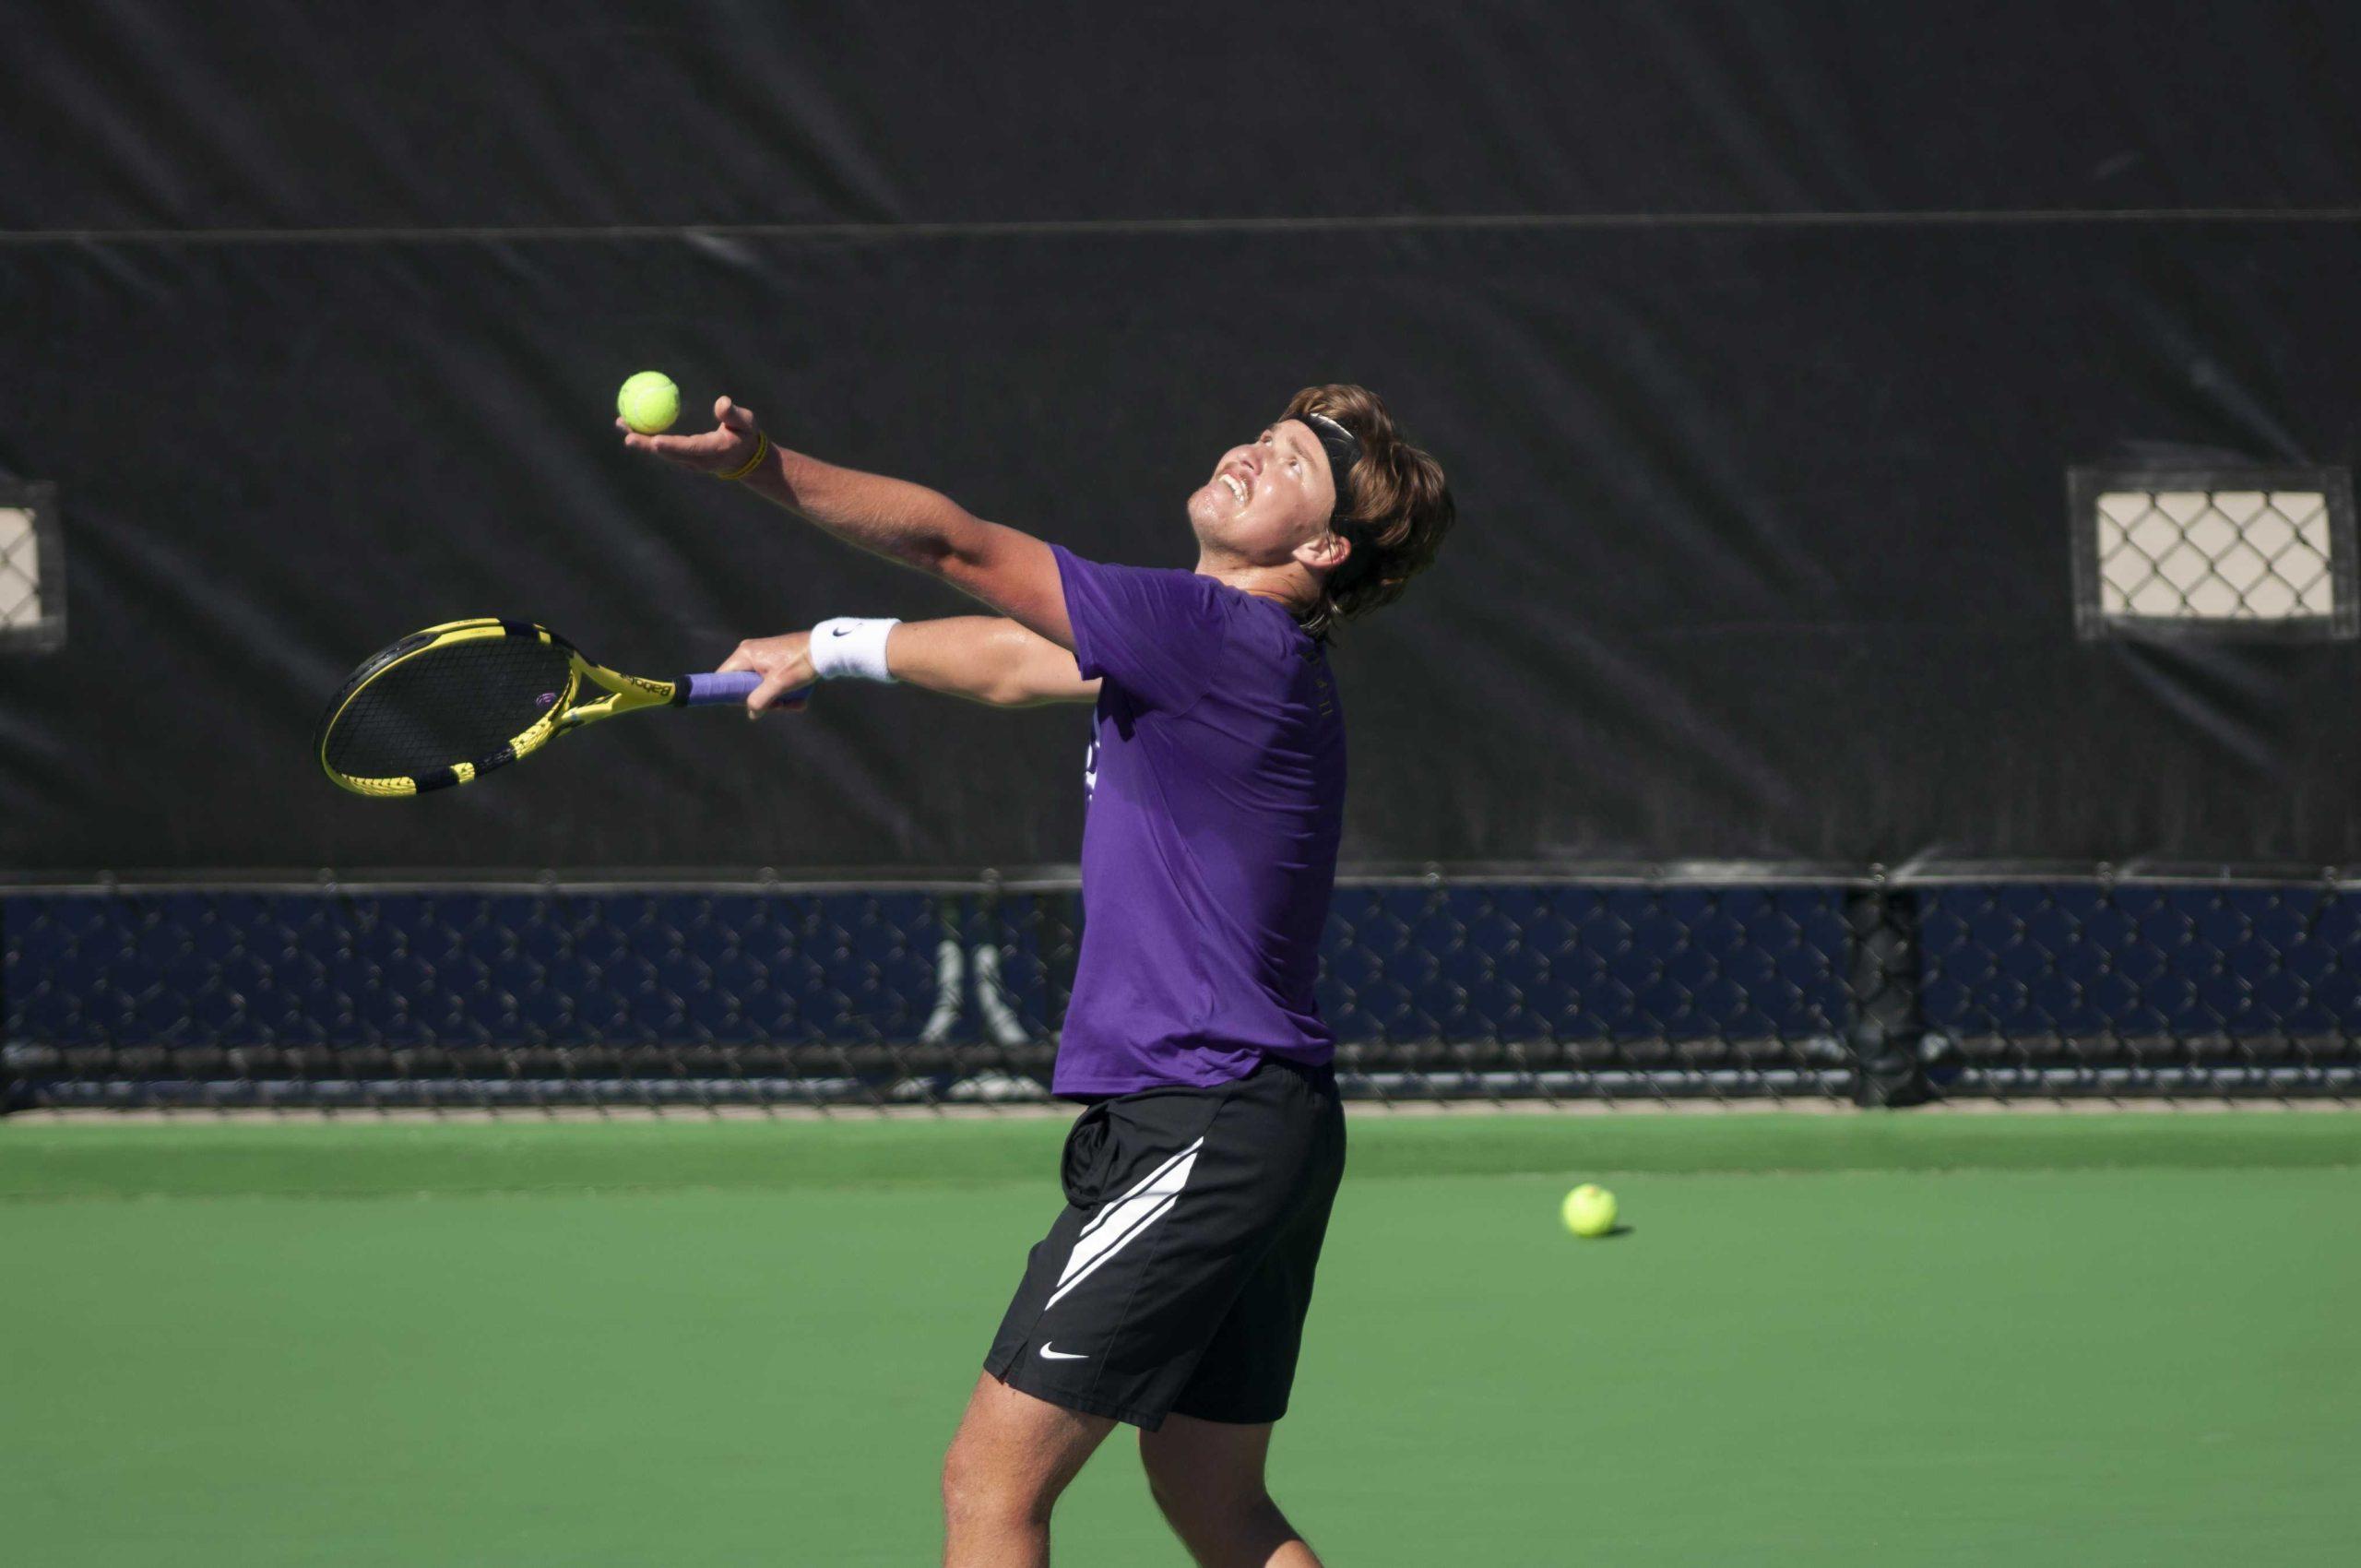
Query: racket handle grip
717, 690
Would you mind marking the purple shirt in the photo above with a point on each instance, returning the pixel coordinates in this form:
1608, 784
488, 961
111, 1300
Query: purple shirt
1216, 782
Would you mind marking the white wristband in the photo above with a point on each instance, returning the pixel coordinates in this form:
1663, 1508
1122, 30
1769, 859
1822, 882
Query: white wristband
848, 648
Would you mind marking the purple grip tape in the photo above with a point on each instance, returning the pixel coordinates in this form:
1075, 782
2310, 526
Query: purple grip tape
713, 691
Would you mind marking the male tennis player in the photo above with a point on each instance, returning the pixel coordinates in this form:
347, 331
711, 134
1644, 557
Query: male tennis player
1171, 1291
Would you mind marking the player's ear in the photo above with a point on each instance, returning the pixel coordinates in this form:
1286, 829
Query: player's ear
1324, 554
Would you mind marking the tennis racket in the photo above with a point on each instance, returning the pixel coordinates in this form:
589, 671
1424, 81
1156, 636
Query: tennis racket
448, 705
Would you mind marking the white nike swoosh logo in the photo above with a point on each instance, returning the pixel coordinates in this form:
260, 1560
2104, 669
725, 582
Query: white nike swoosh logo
1049, 1355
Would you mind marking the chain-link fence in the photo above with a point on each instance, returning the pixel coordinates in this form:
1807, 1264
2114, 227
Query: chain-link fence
1438, 989
2234, 555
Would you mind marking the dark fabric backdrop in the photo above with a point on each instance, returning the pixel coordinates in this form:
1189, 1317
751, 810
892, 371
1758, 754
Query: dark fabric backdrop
1758, 340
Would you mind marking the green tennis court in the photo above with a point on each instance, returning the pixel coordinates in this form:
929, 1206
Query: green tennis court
1824, 1340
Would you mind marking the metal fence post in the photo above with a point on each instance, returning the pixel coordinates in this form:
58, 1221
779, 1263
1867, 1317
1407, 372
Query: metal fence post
1883, 1032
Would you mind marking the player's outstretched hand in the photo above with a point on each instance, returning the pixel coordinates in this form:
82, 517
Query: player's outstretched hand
784, 663
720, 450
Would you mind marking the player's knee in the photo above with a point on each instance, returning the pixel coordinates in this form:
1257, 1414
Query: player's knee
976, 1491
967, 1485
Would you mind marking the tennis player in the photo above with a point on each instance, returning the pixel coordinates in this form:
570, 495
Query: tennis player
1170, 1293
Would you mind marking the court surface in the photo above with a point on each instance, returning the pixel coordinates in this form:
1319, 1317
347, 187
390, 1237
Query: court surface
1897, 1339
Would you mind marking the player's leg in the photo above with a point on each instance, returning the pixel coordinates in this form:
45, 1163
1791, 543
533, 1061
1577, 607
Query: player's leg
1176, 1197
1207, 1477
1205, 1469
1205, 1465
1012, 1458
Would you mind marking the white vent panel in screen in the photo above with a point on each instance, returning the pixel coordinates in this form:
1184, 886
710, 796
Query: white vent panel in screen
2266, 554
33, 569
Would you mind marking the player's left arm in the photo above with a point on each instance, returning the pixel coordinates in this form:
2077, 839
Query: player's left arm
1008, 569
986, 658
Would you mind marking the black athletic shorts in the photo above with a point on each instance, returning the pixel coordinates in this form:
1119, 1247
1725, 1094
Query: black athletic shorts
1179, 1276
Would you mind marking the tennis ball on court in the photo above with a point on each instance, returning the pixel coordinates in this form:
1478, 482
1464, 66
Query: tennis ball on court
649, 402
1589, 1210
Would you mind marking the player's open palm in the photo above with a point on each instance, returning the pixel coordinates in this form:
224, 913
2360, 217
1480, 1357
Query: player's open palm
725, 447
783, 663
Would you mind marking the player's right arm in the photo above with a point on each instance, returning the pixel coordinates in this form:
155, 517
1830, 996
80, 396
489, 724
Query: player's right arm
985, 659
1007, 568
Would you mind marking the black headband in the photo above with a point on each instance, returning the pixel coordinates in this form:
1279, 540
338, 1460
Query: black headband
1344, 451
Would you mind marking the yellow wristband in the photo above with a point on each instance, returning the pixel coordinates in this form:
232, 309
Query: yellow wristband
761, 450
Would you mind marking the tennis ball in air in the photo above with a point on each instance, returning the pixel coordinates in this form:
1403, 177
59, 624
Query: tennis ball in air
649, 402
1589, 1210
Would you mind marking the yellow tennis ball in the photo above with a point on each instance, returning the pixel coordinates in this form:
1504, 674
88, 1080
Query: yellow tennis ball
1589, 1210
649, 402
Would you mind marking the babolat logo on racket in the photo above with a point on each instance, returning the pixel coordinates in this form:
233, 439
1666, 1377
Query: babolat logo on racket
448, 705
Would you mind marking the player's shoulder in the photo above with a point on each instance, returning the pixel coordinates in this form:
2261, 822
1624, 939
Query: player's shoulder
1264, 628
1176, 585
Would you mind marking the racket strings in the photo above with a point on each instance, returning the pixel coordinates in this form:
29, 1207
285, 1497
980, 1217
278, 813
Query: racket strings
458, 702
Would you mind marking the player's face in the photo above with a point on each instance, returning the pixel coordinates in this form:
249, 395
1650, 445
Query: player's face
1267, 498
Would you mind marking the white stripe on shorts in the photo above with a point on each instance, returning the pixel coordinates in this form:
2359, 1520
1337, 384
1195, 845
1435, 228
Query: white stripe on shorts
1118, 1224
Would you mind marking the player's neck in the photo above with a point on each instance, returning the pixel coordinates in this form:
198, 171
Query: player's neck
1288, 584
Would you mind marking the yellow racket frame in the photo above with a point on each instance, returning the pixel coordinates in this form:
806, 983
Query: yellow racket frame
616, 693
